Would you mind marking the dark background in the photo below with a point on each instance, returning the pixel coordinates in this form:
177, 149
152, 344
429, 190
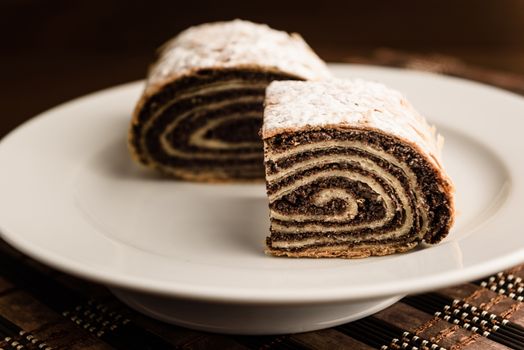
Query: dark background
52, 51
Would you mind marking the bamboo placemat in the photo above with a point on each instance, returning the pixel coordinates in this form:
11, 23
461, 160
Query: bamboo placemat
41, 308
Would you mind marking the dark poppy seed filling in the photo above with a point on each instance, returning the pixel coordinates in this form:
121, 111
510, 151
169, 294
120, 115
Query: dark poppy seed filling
348, 190
201, 112
212, 129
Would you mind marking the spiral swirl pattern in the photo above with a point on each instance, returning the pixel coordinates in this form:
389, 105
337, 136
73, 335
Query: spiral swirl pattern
353, 193
205, 126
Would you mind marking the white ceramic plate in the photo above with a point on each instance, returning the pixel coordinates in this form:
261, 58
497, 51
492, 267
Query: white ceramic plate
71, 197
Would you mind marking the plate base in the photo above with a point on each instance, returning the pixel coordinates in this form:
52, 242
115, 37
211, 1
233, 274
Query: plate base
250, 319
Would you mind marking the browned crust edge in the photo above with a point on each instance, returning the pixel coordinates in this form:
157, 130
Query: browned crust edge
202, 177
343, 251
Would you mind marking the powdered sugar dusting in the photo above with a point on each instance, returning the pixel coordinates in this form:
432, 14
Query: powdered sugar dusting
236, 43
294, 105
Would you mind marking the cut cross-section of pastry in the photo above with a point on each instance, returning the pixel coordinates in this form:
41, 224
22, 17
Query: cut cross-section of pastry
352, 170
201, 111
